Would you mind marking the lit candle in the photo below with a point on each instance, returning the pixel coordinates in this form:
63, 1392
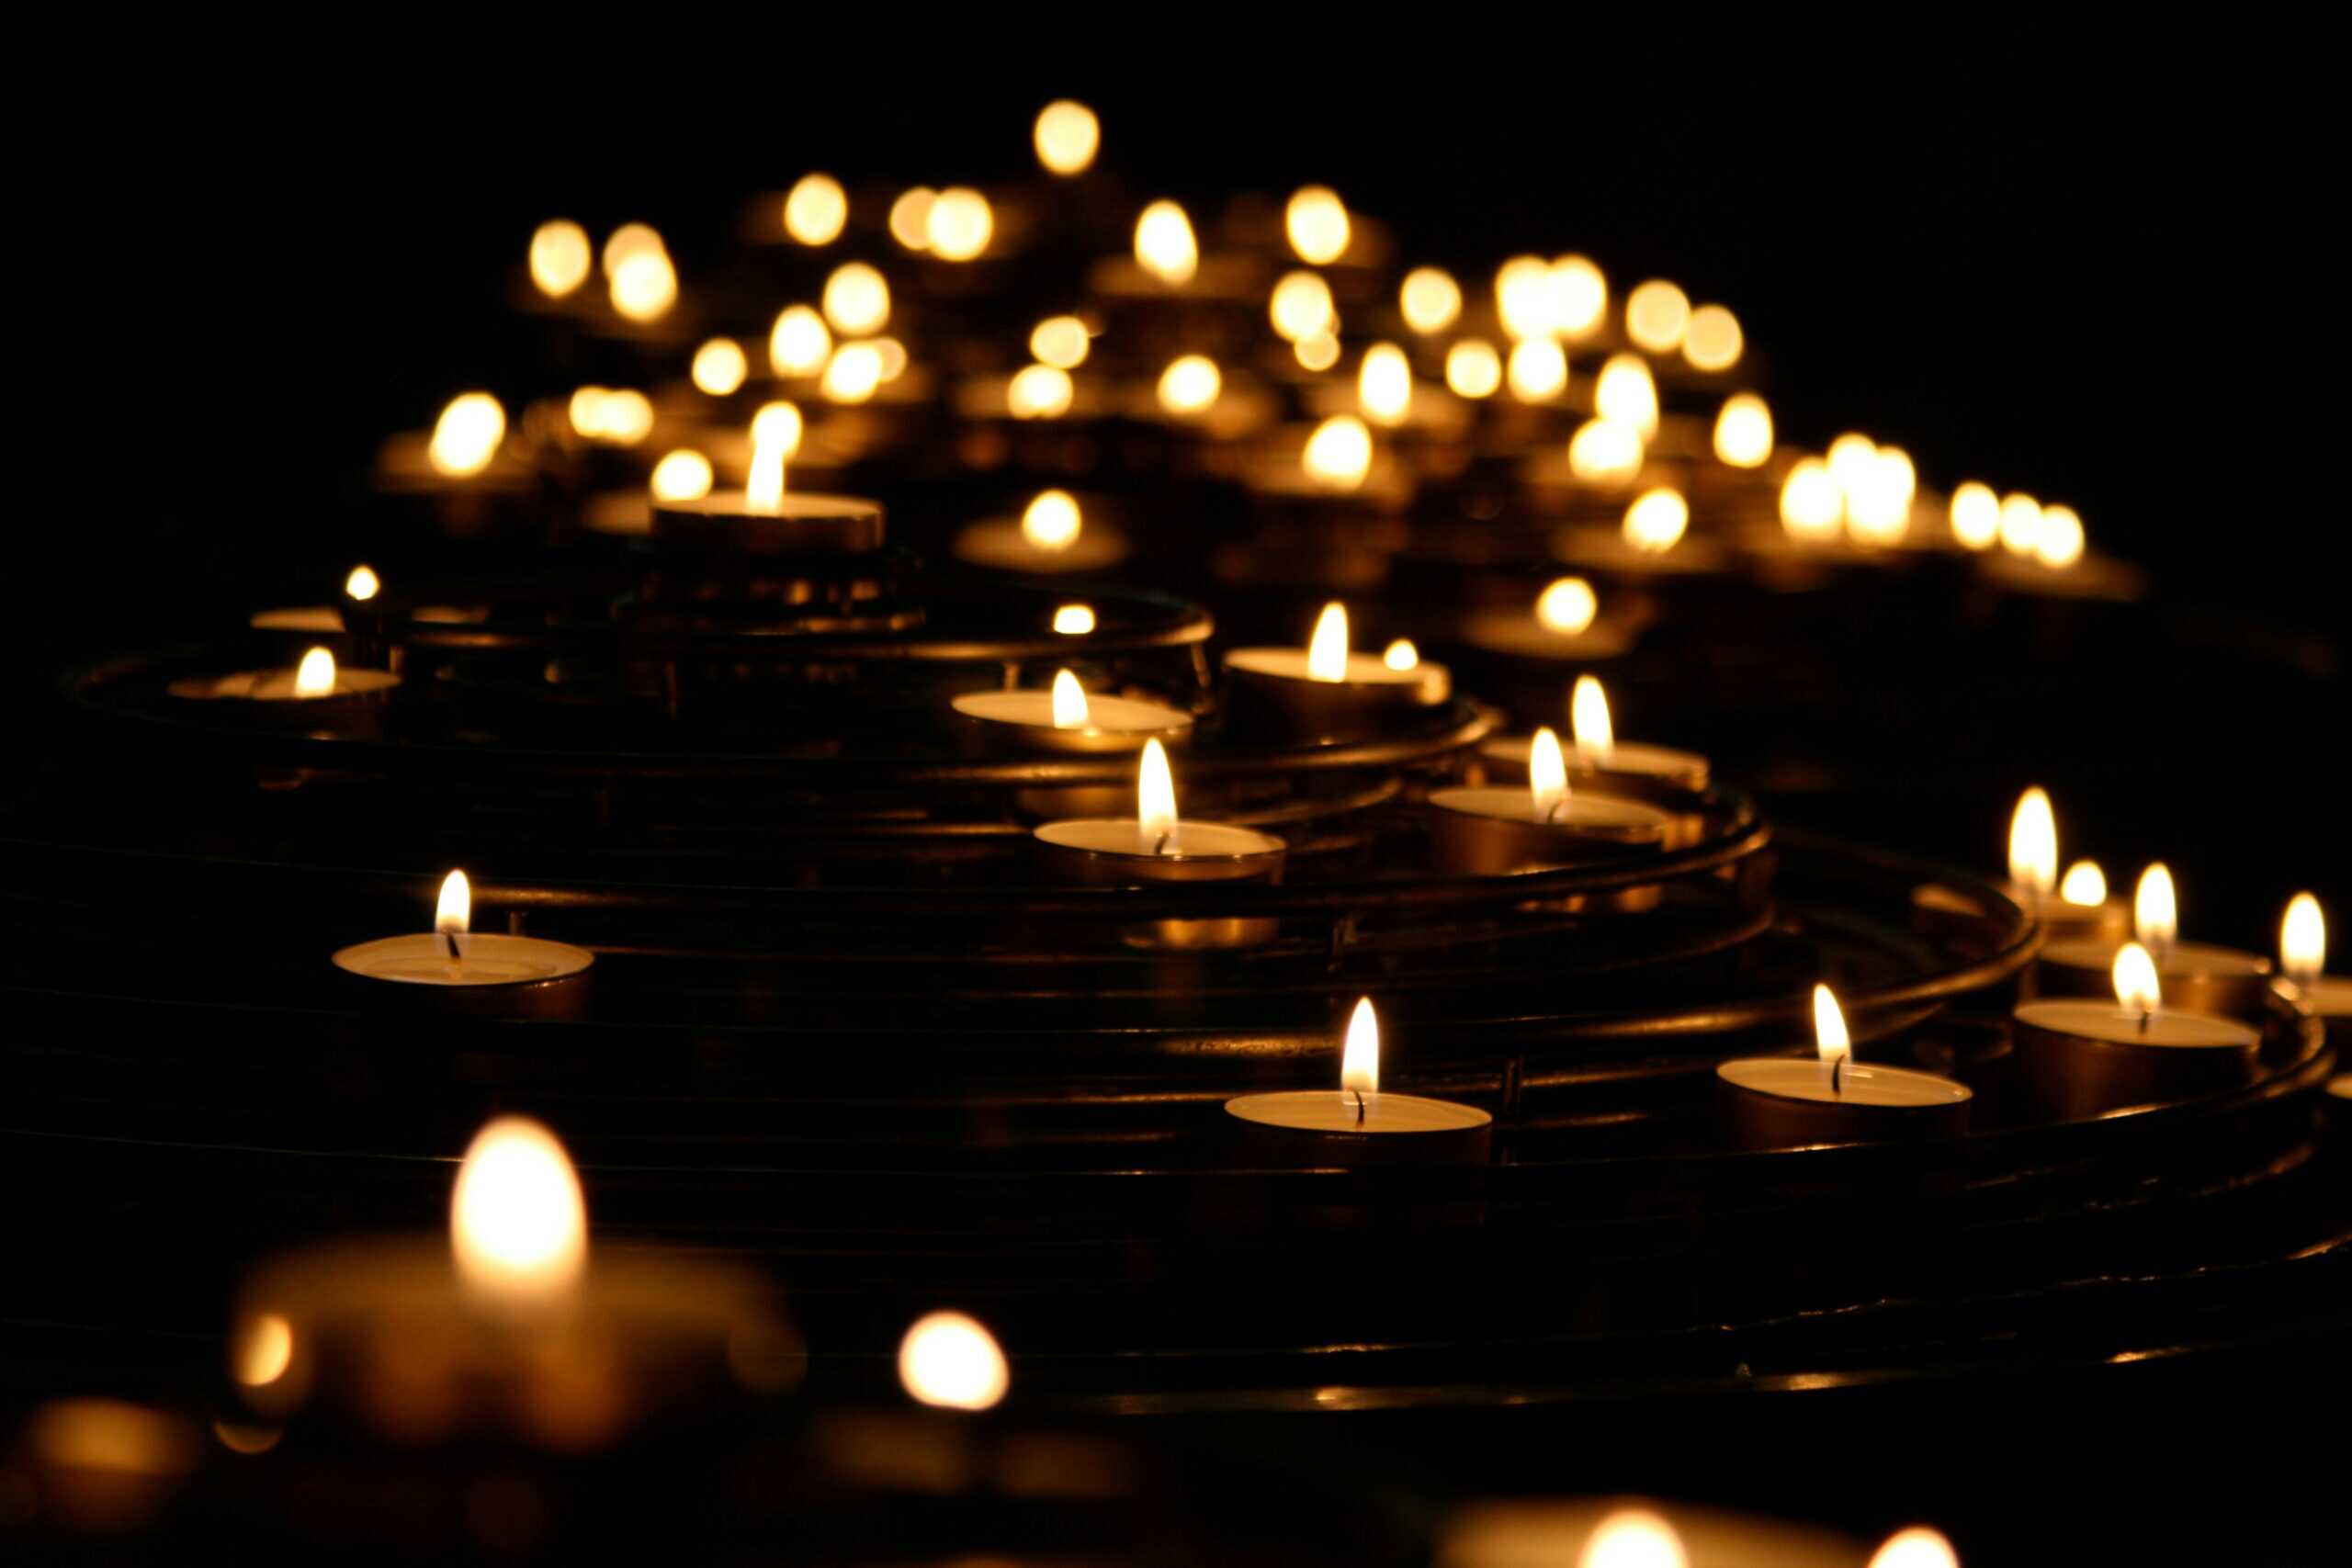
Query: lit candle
509, 1328
1780, 1103
316, 693
360, 587
764, 517
1327, 692
454, 966
2083, 1059
1597, 756
1565, 624
2303, 958
2197, 977
1486, 830
1052, 536
2075, 906
1068, 719
1359, 1124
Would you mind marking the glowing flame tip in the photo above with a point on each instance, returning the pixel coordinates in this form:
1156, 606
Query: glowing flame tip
1327, 650
2137, 986
1359, 1057
1070, 701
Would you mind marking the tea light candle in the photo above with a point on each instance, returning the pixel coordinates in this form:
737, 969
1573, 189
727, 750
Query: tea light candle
1155, 845
2080, 910
474, 972
1565, 624
508, 1329
1492, 832
1597, 756
1357, 1125
1780, 1103
317, 692
360, 587
2085, 1058
1051, 537
761, 519
2199, 978
1068, 719
2303, 958
1325, 691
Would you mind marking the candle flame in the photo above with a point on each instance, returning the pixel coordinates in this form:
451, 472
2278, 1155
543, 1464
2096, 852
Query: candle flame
314, 677
815, 209
858, 298
2020, 524
1052, 521
1588, 718
362, 584
560, 257
1066, 135
1473, 368
1326, 649
1656, 520
1811, 502
265, 1348
2303, 941
1401, 655
1316, 351
2136, 985
1339, 451
1633, 1538
1605, 452
1528, 298
1074, 620
466, 437
453, 912
1301, 306
1568, 605
682, 475
1430, 300
1039, 391
622, 417
1829, 1035
910, 217
1538, 370
2155, 913
799, 343
1360, 1057
1657, 314
2058, 543
1580, 296
518, 1226
1713, 340
645, 285
1627, 393
853, 373
720, 366
1385, 384
1975, 516
1061, 341
1316, 221
778, 425
1154, 790
1164, 243
1547, 776
1917, 1547
1743, 432
2085, 884
959, 224
763, 492
953, 1362
1070, 701
2033, 843
1190, 384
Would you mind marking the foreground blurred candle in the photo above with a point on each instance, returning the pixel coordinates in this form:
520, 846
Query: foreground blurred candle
764, 517
1066, 719
455, 968
1325, 690
1359, 1124
1780, 1103
1477, 830
2198, 977
2083, 1059
2303, 959
2080, 908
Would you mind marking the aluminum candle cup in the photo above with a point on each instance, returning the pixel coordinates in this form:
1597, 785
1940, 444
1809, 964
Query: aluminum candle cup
1112, 851
726, 523
1776, 1102
2196, 978
1023, 722
2083, 1059
1495, 833
1274, 694
497, 975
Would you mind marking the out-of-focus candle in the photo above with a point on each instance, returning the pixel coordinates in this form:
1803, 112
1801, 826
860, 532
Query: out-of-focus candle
1067, 718
1325, 690
1484, 830
1067, 136
1430, 300
1743, 432
815, 209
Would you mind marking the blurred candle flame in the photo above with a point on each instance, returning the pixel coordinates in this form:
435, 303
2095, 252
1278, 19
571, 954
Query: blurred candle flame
2302, 941
1657, 314
630, 240
1605, 452
1316, 351
1316, 223
815, 209
1656, 520
560, 257
1538, 370
1566, 606
2058, 543
1743, 432
2137, 987
1588, 720
1401, 655
910, 217
2033, 843
1975, 516
1633, 1538
1052, 521
720, 366
1473, 368
799, 343
466, 435
2155, 912
1430, 300
1811, 505
953, 1362
856, 300
853, 373
1070, 701
1527, 298
1713, 340
1338, 454
1326, 649
1917, 1547
764, 489
1300, 306
265, 1348
1060, 342
959, 224
1829, 1036
681, 475
778, 425
1164, 243
1547, 775
1067, 136
644, 285
1627, 393
1191, 384
1579, 297
1385, 384
1154, 790
362, 584
314, 677
519, 1225
2085, 884
1360, 1054
1074, 620
1039, 391
2020, 524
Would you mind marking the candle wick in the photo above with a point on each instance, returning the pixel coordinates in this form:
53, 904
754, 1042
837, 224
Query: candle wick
457, 953
1162, 848
1837, 1076
1552, 812
1359, 1093
2147, 1016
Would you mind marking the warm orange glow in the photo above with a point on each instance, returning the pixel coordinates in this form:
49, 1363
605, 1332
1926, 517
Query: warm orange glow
2137, 986
799, 343
1164, 243
1326, 649
1657, 314
1189, 385
519, 1225
816, 209
2033, 843
2155, 912
1074, 620
1633, 1538
103, 1435
763, 488
644, 285
466, 435
1385, 384
681, 475
1713, 340
1566, 606
1538, 370
892, 355
1052, 521
630, 240
1060, 342
720, 366
453, 910
1360, 1054
910, 217
1588, 720
2302, 941
1318, 351
621, 418
1975, 516
560, 257
1850, 458
362, 584
1547, 775
852, 374
265, 1348
1430, 300
1878, 499
1039, 391
1154, 790
950, 1361
314, 677
1627, 393
1527, 298
1810, 504
1473, 368
1316, 223
1743, 432
1579, 297
1605, 452
1339, 451
959, 224
1067, 136
1829, 1035
856, 300
1917, 1547
778, 425
1656, 520
2084, 885
2058, 543
1301, 306
2020, 524
1401, 655
1070, 701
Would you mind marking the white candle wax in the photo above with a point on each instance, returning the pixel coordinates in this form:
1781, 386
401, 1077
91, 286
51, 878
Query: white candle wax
1196, 842
1631, 760
2163, 1029
1426, 683
1113, 723
2086, 1058
1336, 1110
510, 975
802, 523
2196, 978
1861, 1088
